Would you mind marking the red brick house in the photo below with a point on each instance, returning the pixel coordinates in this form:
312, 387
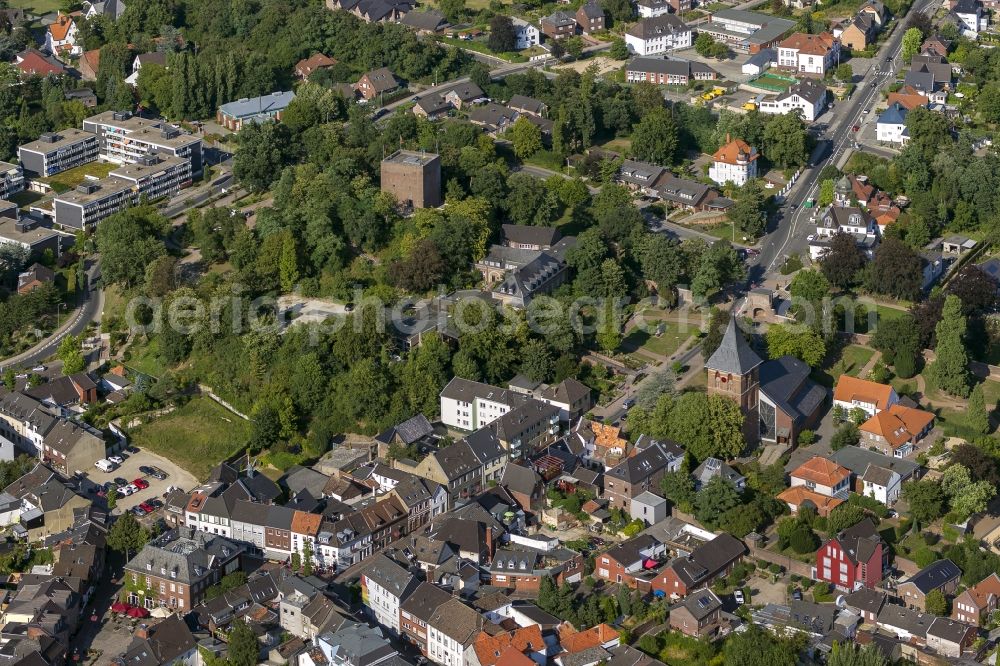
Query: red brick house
305, 67
707, 562
623, 562
853, 559
977, 603
523, 570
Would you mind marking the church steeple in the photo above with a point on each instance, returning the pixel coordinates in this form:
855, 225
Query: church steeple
734, 356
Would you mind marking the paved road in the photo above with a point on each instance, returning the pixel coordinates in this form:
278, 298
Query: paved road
93, 302
790, 237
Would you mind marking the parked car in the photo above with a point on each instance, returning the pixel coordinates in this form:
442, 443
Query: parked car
158, 474
155, 503
738, 596
132, 449
121, 481
797, 594
118, 460
39, 368
138, 511
141, 484
105, 465
132, 488
146, 469
145, 506
628, 403
125, 491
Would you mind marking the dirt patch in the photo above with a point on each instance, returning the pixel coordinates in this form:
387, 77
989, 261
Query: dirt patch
604, 65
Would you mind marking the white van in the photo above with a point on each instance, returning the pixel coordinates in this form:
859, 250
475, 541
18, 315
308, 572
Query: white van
104, 465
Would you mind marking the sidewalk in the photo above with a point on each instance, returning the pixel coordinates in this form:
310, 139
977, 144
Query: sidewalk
72, 319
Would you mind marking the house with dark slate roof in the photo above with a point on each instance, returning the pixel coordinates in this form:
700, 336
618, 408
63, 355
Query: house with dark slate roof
385, 585
856, 557
943, 575
641, 472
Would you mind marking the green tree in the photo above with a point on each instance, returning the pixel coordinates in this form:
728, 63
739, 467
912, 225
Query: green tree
950, 369
935, 601
809, 285
711, 426
846, 435
978, 416
853, 654
264, 150
655, 138
244, 649
502, 37
112, 498
289, 264
127, 535
71, 355
827, 191
926, 500
718, 321
749, 214
912, 39
796, 340
609, 335
619, 50
844, 72
703, 44
307, 558
716, 498
758, 647
785, 140
454, 10
843, 260
526, 137
896, 271
128, 242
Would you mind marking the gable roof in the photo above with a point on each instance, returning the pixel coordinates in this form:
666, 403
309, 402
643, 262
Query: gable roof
382, 79
734, 355
797, 495
657, 26
898, 424
527, 104
934, 575
735, 151
980, 593
316, 61
424, 20
456, 621
647, 462
60, 29
818, 44
519, 479
821, 471
850, 388
524, 234
860, 541
702, 603
424, 601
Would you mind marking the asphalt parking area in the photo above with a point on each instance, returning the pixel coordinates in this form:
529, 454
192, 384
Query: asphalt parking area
129, 470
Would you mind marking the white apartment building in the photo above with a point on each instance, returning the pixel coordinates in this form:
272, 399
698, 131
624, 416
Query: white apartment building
11, 179
451, 629
384, 586
809, 54
807, 98
891, 125
735, 162
651, 8
125, 139
658, 34
469, 405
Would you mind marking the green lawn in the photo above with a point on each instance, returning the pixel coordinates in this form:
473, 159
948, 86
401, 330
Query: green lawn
67, 180
664, 345
855, 357
39, 7
619, 145
25, 198
197, 436
546, 159
955, 422
145, 357
772, 80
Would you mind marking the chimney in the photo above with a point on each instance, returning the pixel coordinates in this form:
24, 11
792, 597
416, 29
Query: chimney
142, 631
727, 137
489, 542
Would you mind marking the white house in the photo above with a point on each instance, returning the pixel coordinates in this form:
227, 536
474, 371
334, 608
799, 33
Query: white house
658, 34
869, 396
384, 586
891, 125
807, 98
469, 405
970, 18
155, 58
452, 629
60, 38
526, 35
651, 8
735, 162
881, 484
110, 8
809, 54
759, 62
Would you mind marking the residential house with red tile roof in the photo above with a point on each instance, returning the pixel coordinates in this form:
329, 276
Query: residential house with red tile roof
897, 430
977, 604
304, 68
819, 481
60, 39
804, 53
32, 62
872, 397
89, 63
734, 162
488, 648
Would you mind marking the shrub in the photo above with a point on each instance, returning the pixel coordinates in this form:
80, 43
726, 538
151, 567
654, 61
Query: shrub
806, 437
775, 568
822, 593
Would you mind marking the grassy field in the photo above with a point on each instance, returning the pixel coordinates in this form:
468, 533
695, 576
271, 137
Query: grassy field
36, 6
618, 145
771, 80
663, 345
197, 436
146, 358
67, 180
546, 159
854, 358
24, 198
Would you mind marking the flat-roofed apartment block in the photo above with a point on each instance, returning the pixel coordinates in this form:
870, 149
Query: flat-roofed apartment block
55, 152
93, 201
11, 179
413, 178
125, 138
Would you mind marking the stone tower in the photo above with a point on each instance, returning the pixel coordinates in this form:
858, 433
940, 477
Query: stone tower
732, 371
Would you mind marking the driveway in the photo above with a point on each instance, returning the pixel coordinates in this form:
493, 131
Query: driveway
176, 477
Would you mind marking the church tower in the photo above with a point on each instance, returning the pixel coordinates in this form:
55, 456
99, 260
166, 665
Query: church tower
733, 372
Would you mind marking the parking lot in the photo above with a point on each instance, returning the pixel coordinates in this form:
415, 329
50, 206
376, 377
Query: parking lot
129, 471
